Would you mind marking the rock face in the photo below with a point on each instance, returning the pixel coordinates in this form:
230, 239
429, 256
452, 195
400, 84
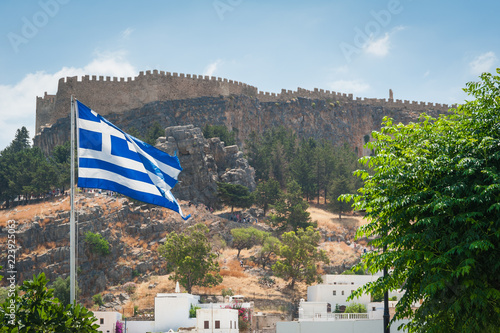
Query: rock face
205, 162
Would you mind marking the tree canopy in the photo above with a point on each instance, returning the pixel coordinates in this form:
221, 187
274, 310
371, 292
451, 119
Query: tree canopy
234, 195
299, 255
246, 238
190, 253
434, 203
36, 310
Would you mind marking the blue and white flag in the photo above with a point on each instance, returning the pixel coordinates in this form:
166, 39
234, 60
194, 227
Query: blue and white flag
111, 159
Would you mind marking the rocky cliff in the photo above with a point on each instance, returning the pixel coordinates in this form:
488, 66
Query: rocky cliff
338, 121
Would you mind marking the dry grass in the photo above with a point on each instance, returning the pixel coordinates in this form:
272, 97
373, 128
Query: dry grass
234, 269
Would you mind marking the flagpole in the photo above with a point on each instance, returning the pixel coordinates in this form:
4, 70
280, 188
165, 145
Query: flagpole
72, 261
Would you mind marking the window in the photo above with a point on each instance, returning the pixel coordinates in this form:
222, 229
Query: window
206, 324
374, 308
230, 324
342, 293
352, 282
335, 293
217, 324
102, 321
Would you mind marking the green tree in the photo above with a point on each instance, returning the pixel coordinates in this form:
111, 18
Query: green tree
303, 167
299, 256
355, 308
246, 238
267, 193
62, 290
234, 195
291, 209
339, 186
433, 202
61, 159
221, 132
190, 253
153, 133
38, 311
270, 248
97, 244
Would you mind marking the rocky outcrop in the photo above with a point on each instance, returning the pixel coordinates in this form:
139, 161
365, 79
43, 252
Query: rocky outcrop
205, 162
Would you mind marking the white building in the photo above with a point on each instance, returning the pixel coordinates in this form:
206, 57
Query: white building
172, 311
107, 320
217, 320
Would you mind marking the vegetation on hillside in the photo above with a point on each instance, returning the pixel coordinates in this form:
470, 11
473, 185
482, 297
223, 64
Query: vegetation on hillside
433, 202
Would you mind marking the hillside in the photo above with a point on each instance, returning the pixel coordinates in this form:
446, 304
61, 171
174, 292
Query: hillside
134, 233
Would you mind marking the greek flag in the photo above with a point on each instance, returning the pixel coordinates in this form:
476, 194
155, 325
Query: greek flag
111, 159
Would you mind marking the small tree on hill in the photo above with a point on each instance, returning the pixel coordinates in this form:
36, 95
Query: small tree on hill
246, 238
234, 195
299, 255
267, 193
190, 253
291, 209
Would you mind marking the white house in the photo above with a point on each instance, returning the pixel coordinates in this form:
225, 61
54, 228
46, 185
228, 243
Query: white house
217, 320
107, 320
172, 311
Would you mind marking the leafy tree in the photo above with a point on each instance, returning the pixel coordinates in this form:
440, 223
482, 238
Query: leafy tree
303, 167
433, 200
191, 256
339, 186
38, 311
21, 140
153, 133
291, 209
234, 195
221, 132
61, 159
62, 290
246, 238
355, 308
299, 255
270, 248
97, 244
97, 299
267, 193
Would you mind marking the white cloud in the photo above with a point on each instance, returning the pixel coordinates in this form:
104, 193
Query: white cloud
426, 74
483, 63
378, 47
211, 68
127, 32
18, 101
349, 86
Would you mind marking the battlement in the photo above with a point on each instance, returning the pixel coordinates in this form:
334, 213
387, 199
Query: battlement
118, 94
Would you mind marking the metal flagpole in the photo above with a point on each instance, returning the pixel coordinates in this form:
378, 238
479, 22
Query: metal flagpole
72, 262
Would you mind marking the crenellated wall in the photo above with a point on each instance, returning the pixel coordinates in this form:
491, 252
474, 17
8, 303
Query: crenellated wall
110, 95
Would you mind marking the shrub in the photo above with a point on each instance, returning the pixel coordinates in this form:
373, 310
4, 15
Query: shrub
97, 298
129, 287
192, 311
355, 308
119, 327
97, 243
227, 292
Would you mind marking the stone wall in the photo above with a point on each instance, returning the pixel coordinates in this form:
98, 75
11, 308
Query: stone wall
335, 121
108, 95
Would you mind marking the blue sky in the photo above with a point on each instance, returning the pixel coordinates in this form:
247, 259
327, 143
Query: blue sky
422, 50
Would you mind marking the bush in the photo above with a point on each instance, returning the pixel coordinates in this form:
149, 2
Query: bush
97, 243
129, 287
227, 292
355, 308
98, 300
192, 311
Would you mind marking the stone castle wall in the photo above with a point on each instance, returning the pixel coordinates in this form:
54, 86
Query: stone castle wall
109, 95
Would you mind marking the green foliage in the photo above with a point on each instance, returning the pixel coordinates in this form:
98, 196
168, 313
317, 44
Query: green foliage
246, 238
227, 292
192, 311
190, 253
221, 132
393, 298
129, 287
97, 299
269, 249
267, 193
355, 308
36, 310
299, 255
97, 244
291, 209
234, 195
62, 289
153, 133
378, 296
433, 200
